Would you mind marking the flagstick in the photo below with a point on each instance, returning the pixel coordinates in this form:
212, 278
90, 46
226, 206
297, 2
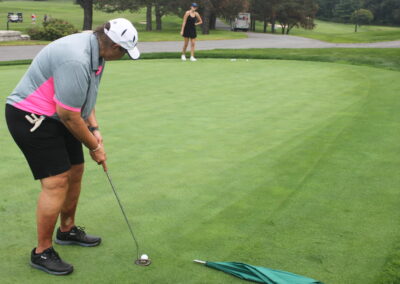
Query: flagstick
199, 261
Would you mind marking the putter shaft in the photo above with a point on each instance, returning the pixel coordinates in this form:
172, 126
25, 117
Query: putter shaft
123, 213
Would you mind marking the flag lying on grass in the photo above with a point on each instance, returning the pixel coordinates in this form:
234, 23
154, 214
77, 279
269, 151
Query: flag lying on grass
259, 274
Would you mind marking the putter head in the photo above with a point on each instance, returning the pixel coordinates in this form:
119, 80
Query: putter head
143, 262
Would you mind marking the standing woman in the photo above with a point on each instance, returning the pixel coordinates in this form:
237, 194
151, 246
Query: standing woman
188, 31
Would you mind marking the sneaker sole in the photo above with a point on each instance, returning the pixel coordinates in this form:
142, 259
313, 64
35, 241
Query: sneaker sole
69, 243
50, 271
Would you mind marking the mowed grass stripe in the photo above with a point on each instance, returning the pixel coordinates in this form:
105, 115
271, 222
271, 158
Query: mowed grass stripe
325, 205
275, 163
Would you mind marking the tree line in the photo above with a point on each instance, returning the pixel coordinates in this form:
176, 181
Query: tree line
288, 13
386, 12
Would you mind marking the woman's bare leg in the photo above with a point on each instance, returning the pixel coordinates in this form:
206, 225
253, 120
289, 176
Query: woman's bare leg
51, 200
185, 45
68, 210
192, 46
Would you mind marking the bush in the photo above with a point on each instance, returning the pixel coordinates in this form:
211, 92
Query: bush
35, 33
52, 30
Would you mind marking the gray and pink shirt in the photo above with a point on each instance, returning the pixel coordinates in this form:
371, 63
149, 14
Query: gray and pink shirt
67, 73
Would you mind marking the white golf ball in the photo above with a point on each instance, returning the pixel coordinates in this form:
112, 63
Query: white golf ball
144, 257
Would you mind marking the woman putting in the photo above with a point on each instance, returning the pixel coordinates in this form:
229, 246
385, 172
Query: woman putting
188, 31
50, 114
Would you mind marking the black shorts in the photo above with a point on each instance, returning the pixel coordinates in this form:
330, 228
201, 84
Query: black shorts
50, 150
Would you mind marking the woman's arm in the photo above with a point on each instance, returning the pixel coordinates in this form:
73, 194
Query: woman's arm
199, 20
184, 22
77, 126
92, 123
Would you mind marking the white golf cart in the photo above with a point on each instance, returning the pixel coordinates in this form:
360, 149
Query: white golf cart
241, 22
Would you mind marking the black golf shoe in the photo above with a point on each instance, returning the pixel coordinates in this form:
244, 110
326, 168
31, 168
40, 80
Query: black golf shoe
49, 261
77, 236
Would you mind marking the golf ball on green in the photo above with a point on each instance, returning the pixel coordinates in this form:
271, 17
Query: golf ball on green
144, 257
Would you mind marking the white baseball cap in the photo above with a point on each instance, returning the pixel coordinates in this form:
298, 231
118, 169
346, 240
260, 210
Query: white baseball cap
122, 32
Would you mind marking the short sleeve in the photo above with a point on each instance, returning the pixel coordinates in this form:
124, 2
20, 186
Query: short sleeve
71, 83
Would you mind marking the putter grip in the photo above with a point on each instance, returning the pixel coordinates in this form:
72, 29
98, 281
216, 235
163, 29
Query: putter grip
104, 166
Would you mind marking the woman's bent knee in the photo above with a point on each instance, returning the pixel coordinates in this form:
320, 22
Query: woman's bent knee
59, 181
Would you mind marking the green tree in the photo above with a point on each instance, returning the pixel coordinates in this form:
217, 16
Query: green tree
229, 9
87, 6
265, 11
161, 8
149, 18
361, 17
111, 6
385, 11
396, 16
296, 13
326, 9
260, 11
344, 9
164, 7
207, 10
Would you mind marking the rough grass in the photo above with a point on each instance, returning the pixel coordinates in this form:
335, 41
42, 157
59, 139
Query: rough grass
344, 33
384, 58
285, 164
381, 58
74, 14
24, 42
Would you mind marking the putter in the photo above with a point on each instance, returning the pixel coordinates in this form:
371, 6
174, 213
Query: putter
141, 260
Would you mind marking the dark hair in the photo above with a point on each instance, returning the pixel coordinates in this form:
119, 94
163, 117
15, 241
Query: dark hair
101, 35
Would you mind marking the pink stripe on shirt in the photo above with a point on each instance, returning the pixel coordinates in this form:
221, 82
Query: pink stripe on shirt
98, 72
42, 101
76, 109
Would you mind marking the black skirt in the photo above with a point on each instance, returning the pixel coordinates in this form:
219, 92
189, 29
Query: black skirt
190, 28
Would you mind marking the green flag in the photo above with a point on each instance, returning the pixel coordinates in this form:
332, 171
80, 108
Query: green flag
259, 274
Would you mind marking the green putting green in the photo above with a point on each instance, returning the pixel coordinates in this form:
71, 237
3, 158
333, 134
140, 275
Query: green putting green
284, 164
